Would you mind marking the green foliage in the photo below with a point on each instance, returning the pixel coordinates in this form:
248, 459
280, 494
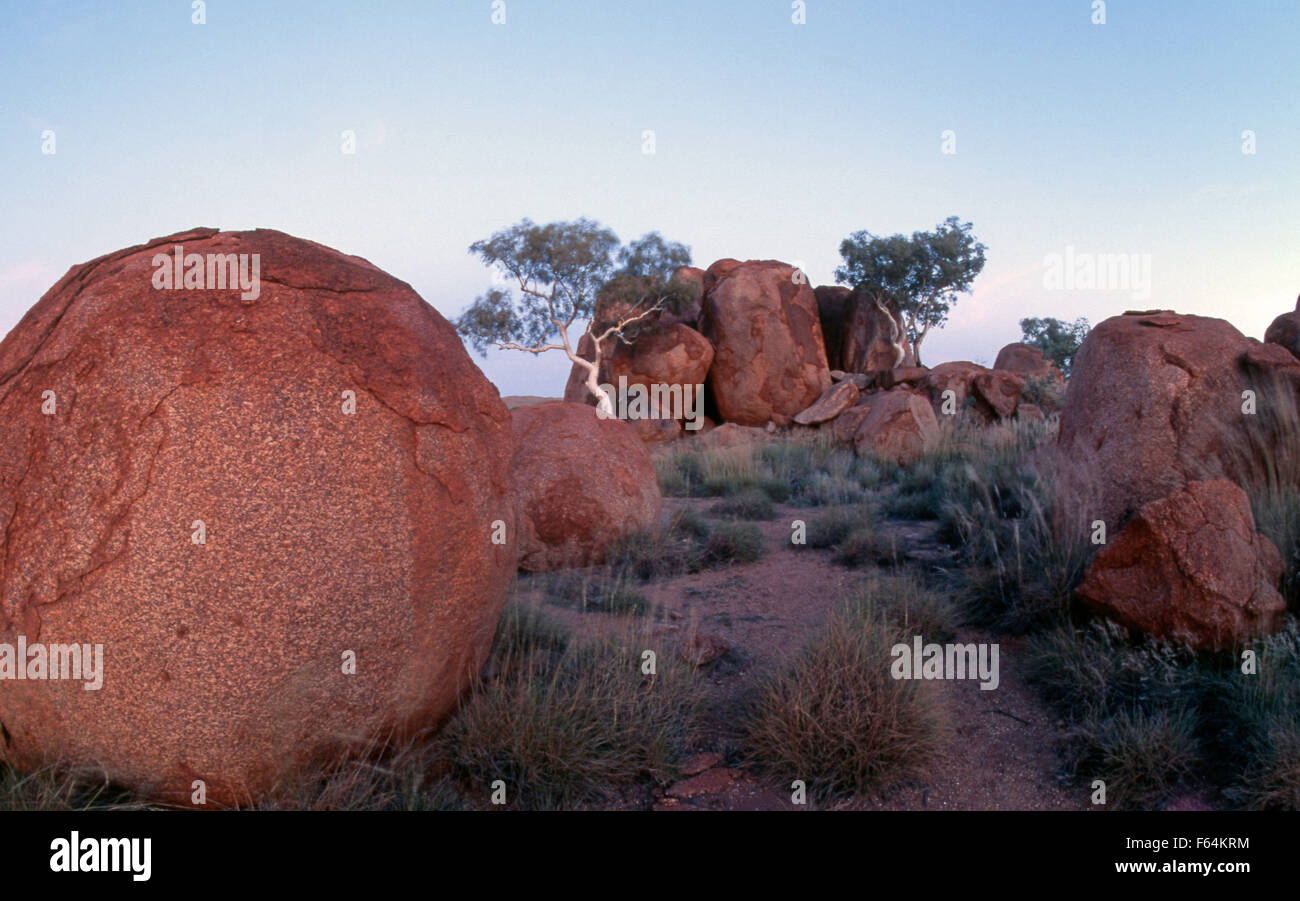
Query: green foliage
563, 272
1044, 392
921, 274
1058, 340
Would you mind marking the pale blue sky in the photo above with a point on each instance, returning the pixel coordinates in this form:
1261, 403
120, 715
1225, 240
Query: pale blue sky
772, 140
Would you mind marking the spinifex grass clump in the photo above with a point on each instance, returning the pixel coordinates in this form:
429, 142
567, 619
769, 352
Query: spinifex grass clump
835, 718
1152, 718
57, 787
1023, 539
748, 504
836, 524
806, 471
567, 728
737, 542
1268, 467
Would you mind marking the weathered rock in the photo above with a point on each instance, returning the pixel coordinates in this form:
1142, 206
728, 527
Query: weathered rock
868, 343
655, 431
705, 649
899, 426
1285, 330
671, 361
845, 426
903, 375
729, 434
999, 390
769, 361
719, 270
1029, 361
668, 355
1190, 566
1155, 401
833, 401
832, 302
205, 502
957, 377
583, 482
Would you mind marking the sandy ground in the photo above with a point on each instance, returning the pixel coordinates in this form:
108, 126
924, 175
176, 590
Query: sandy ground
1003, 753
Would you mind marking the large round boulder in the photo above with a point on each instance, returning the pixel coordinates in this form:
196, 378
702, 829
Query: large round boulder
1029, 362
1158, 399
583, 483
273, 507
769, 360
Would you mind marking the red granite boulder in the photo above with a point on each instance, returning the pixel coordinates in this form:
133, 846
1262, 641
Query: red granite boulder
274, 508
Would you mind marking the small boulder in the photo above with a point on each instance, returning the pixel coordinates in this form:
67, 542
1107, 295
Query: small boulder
1285, 330
899, 426
1029, 361
1000, 390
583, 482
1190, 566
845, 426
833, 401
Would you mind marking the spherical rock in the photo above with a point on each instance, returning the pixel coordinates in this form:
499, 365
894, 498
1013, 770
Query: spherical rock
583, 483
236, 492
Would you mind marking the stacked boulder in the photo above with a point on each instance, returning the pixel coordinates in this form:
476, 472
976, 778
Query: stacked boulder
1165, 417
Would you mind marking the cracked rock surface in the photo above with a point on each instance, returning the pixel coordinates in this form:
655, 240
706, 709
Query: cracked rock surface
1190, 566
1155, 401
324, 531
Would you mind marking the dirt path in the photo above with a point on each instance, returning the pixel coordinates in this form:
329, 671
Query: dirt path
1003, 751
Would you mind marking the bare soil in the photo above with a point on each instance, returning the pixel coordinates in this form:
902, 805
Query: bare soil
1004, 752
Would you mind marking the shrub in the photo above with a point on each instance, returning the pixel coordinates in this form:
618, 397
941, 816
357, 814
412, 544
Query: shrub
740, 542
836, 718
1141, 756
568, 729
1043, 391
867, 547
912, 606
656, 553
1025, 553
750, 504
833, 526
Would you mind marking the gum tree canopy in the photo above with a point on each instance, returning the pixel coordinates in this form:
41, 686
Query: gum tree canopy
922, 274
565, 272
1058, 340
